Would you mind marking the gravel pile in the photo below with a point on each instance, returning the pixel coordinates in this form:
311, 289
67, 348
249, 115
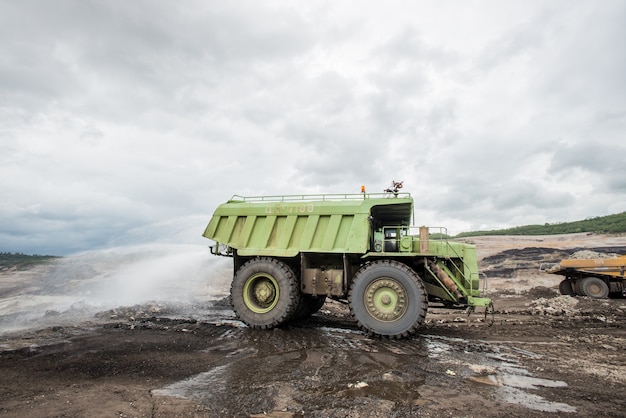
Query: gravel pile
560, 305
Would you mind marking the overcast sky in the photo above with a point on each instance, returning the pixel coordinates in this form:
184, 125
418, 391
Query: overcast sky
130, 121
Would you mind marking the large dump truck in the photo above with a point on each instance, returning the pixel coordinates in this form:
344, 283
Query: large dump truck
593, 277
292, 252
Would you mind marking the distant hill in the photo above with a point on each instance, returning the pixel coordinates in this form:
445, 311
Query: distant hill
21, 261
610, 224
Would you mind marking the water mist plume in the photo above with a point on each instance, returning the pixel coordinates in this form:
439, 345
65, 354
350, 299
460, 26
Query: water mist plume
75, 287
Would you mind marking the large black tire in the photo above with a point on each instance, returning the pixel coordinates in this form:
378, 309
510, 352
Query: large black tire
566, 288
388, 299
264, 293
595, 288
309, 305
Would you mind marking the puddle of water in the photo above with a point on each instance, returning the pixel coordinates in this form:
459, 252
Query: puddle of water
511, 388
197, 387
532, 401
510, 380
340, 330
437, 349
395, 391
517, 381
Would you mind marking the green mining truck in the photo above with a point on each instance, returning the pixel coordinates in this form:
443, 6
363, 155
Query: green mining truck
292, 252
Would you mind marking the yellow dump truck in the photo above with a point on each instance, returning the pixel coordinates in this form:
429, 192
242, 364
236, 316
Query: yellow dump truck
593, 277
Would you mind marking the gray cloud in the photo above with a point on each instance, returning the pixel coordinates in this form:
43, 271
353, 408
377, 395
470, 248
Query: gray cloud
596, 158
125, 121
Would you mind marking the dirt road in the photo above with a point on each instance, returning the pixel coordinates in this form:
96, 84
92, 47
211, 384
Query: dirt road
545, 354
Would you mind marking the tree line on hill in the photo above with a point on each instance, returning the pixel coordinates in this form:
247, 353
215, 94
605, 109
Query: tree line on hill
610, 224
21, 261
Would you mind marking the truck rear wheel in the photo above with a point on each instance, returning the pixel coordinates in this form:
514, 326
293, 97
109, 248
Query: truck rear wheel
264, 293
309, 305
595, 288
388, 299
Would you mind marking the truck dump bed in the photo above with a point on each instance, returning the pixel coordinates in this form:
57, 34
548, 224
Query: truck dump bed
613, 267
284, 226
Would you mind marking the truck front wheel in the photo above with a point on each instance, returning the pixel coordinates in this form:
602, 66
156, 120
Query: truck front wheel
388, 299
264, 293
595, 288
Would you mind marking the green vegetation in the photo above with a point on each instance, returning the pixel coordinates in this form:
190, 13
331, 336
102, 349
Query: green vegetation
21, 261
610, 224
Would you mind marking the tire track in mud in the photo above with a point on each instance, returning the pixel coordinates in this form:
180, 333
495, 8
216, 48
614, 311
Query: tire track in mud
323, 371
324, 367
303, 370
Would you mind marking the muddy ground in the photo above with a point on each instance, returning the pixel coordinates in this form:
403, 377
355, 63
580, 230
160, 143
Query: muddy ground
545, 354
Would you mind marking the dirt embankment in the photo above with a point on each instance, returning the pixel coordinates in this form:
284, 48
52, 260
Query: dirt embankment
545, 354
